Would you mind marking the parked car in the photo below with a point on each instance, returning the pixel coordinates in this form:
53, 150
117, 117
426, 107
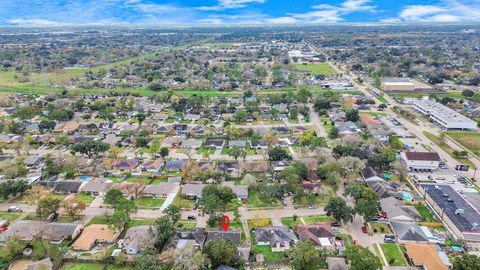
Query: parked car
312, 206
335, 224
14, 208
364, 229
389, 239
191, 217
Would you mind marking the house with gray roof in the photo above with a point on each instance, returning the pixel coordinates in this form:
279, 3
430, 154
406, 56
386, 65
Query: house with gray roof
158, 191
98, 187
135, 239
409, 232
233, 236
396, 210
192, 191
182, 238
237, 143
279, 238
27, 230
191, 143
67, 187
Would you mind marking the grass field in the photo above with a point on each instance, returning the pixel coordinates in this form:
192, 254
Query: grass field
87, 199
317, 69
447, 148
393, 254
469, 140
92, 266
149, 202
377, 253
268, 254
423, 211
10, 216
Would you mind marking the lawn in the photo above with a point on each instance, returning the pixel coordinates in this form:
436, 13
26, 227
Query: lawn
149, 202
377, 253
204, 149
140, 222
255, 202
87, 199
317, 219
98, 220
447, 148
380, 227
158, 181
317, 69
185, 225
268, 254
183, 203
83, 266
10, 216
425, 213
469, 140
392, 254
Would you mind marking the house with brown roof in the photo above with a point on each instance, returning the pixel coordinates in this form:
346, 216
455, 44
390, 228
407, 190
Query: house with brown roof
158, 191
368, 120
320, 234
70, 127
94, 234
425, 256
421, 160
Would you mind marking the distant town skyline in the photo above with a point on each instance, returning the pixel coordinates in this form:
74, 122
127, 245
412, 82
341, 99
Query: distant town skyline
217, 12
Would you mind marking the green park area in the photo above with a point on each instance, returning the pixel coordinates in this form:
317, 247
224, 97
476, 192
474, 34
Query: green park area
317, 68
469, 140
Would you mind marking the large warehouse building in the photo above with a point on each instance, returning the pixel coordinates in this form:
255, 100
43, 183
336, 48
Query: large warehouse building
462, 219
392, 85
443, 116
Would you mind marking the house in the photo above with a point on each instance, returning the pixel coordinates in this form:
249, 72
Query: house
320, 234
70, 127
27, 230
135, 239
214, 143
192, 191
174, 165
158, 191
45, 264
112, 139
425, 256
421, 160
240, 190
98, 187
94, 234
409, 232
396, 211
153, 166
232, 168
191, 144
279, 238
67, 187
384, 189
33, 162
174, 180
237, 143
280, 165
257, 145
125, 165
182, 238
192, 117
233, 236
255, 166
172, 141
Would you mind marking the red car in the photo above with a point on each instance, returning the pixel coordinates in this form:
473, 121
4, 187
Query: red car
364, 229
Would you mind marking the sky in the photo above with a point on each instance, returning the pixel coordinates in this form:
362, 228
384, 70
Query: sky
218, 12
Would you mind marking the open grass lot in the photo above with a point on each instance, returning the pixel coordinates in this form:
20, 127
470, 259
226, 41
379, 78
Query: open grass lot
317, 219
380, 227
317, 69
149, 202
87, 199
423, 211
447, 148
393, 254
98, 220
469, 140
10, 216
255, 202
378, 254
185, 225
183, 203
268, 254
82, 266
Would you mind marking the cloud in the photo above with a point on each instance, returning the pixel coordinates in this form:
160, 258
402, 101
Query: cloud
32, 22
157, 8
229, 4
326, 13
445, 11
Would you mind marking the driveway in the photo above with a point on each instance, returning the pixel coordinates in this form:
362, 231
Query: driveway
170, 197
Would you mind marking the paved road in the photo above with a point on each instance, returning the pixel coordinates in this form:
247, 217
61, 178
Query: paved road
316, 122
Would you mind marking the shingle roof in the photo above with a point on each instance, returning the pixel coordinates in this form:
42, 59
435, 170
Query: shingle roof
422, 156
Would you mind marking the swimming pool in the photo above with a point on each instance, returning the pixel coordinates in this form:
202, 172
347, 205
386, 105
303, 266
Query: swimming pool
85, 177
407, 196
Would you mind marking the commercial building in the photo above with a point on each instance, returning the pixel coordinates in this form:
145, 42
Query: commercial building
421, 160
462, 219
443, 116
398, 85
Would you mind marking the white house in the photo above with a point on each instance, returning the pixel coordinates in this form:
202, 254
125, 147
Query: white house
421, 160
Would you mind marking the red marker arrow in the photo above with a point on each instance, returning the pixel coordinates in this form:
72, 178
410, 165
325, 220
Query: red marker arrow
225, 222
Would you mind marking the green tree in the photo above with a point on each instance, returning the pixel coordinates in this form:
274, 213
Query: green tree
190, 258
216, 198
240, 116
173, 212
277, 153
112, 197
162, 230
14, 247
151, 262
466, 262
361, 258
333, 133
338, 209
140, 118
47, 206
154, 148
305, 256
27, 112
13, 188
468, 93
352, 115
164, 152
90, 148
222, 252
46, 125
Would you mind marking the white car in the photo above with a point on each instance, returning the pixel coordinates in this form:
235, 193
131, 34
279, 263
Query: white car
14, 208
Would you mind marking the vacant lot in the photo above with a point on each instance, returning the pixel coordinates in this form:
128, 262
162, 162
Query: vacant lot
10, 216
469, 140
92, 266
149, 202
317, 69
447, 148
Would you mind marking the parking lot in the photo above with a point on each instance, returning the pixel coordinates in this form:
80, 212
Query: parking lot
448, 176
